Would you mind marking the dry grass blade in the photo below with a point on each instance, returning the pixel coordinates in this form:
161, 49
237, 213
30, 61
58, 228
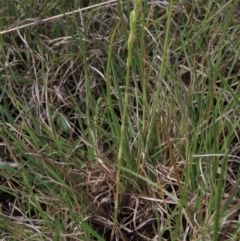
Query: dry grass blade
50, 19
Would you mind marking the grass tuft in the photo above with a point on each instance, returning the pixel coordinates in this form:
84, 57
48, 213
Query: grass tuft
119, 120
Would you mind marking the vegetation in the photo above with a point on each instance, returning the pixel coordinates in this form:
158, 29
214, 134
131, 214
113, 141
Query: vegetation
119, 121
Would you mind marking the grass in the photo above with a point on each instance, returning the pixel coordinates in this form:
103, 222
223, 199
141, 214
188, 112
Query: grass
120, 121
